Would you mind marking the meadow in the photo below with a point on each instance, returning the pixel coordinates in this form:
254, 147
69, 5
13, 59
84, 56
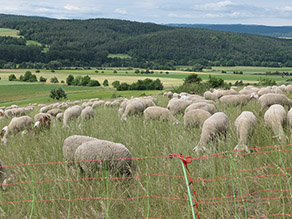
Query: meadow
156, 188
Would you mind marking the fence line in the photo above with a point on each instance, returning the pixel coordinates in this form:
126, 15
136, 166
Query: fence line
232, 176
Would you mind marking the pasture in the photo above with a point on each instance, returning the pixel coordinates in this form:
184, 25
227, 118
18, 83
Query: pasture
8, 32
156, 189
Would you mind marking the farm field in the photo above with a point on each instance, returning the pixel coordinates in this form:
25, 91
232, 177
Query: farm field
156, 188
8, 32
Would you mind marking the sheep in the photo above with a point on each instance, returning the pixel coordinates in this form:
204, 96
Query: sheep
72, 112
4, 175
274, 118
202, 105
85, 104
159, 113
43, 122
235, 99
60, 116
176, 106
107, 104
72, 143
17, 124
1, 113
45, 109
288, 89
96, 104
210, 96
244, 125
269, 99
38, 116
195, 118
87, 113
134, 107
215, 125
14, 112
120, 157
54, 112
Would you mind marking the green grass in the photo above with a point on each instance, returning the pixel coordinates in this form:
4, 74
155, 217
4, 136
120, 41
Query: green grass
152, 176
33, 43
9, 32
120, 56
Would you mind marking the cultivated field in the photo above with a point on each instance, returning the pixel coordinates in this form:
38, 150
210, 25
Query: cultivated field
58, 190
8, 32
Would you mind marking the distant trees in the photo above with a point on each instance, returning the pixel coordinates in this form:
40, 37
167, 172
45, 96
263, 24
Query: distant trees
54, 80
81, 81
58, 93
42, 79
105, 83
146, 84
12, 77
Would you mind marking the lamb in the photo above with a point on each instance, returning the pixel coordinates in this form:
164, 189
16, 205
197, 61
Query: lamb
120, 157
159, 113
87, 113
195, 118
244, 125
72, 143
211, 108
72, 112
17, 124
133, 108
267, 100
215, 125
274, 118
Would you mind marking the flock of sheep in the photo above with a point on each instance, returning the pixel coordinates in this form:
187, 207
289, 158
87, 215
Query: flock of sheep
198, 111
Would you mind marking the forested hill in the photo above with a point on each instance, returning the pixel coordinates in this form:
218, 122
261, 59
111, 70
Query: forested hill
89, 43
272, 31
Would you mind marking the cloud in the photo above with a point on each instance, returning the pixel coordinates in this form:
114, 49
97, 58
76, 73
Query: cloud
218, 6
120, 11
71, 7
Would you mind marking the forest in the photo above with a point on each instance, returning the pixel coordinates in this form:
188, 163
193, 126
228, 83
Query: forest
89, 42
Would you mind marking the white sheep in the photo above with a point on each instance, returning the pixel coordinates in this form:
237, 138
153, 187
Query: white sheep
72, 143
39, 116
72, 112
134, 107
14, 112
216, 124
60, 116
17, 124
54, 112
211, 108
87, 113
176, 106
195, 118
274, 118
120, 157
159, 113
244, 125
269, 99
235, 99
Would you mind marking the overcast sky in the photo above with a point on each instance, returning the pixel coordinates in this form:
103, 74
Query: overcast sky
265, 12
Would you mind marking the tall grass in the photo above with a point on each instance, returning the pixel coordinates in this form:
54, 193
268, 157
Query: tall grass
143, 139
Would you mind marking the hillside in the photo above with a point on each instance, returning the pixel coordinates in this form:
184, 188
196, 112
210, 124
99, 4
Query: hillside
90, 43
271, 31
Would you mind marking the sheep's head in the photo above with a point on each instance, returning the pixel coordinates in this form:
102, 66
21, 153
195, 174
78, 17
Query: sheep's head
3, 131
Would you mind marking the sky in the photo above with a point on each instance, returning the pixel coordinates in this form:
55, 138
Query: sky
261, 12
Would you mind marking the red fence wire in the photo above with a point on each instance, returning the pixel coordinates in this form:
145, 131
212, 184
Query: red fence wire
201, 201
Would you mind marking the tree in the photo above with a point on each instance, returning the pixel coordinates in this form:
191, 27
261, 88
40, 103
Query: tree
58, 93
93, 83
116, 84
123, 86
54, 80
12, 77
69, 79
42, 79
105, 83
27, 76
192, 78
85, 81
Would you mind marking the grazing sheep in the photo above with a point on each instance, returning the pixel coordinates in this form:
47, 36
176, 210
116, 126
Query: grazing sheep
244, 125
235, 99
1, 113
17, 124
211, 108
15, 112
134, 107
159, 113
72, 143
176, 106
215, 125
210, 96
43, 122
96, 104
120, 156
195, 118
45, 109
107, 104
85, 104
274, 118
71, 113
269, 99
54, 112
60, 116
38, 116
288, 89
87, 113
